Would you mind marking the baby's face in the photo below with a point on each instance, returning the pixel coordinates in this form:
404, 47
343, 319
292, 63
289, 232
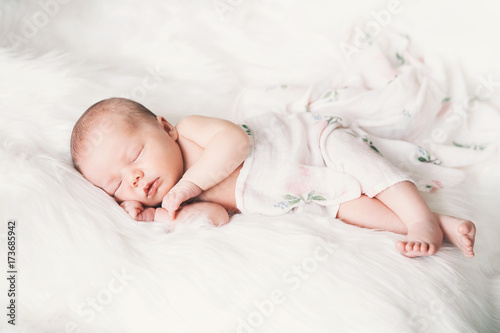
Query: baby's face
141, 163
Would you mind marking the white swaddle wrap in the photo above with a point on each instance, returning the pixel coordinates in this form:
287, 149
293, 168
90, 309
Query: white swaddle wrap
308, 161
419, 116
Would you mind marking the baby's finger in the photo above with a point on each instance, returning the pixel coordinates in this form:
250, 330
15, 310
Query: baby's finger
134, 213
147, 215
171, 214
165, 200
171, 202
127, 205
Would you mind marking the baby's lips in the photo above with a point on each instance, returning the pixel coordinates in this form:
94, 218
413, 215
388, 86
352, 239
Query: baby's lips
146, 188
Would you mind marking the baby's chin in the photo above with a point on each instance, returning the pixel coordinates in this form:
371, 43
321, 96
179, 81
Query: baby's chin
151, 203
156, 204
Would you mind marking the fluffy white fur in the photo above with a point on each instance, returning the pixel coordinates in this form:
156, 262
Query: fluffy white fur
74, 241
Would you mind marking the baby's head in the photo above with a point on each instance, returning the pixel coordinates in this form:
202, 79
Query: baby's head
126, 150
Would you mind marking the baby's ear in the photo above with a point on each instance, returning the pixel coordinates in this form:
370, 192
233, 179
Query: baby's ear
168, 127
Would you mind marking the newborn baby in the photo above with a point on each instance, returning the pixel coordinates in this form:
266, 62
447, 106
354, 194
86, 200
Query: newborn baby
272, 164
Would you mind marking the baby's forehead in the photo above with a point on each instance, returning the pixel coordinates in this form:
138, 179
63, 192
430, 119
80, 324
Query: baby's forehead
109, 122
103, 146
98, 131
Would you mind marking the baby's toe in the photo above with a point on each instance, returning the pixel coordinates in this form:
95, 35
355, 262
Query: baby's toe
465, 241
464, 228
416, 247
409, 246
424, 247
432, 249
401, 246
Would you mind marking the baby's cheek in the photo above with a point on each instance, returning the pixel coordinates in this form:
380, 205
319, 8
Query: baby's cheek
160, 195
121, 197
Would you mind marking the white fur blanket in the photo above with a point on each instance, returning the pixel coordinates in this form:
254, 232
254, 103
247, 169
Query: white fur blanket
82, 265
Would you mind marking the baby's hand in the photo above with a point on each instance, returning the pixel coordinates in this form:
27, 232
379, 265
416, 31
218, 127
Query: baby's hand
136, 211
182, 191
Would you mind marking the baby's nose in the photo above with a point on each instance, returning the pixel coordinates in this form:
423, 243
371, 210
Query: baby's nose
135, 181
135, 178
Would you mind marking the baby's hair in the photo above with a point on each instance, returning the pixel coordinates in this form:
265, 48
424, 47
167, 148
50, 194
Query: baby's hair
100, 118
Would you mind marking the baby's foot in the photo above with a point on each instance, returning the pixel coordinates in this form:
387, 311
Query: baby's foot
422, 239
460, 232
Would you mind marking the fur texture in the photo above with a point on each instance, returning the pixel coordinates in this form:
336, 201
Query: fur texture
85, 266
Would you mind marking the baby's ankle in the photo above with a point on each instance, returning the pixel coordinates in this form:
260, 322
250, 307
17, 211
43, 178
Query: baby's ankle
422, 221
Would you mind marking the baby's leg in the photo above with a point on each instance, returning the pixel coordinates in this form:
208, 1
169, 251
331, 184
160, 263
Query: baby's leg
347, 152
424, 235
371, 213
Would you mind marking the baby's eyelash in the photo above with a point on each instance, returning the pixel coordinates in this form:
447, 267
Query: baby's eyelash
119, 184
139, 154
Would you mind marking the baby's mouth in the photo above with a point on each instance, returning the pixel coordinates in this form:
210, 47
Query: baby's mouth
150, 188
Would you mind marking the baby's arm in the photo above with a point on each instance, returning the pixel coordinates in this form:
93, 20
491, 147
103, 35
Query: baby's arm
225, 146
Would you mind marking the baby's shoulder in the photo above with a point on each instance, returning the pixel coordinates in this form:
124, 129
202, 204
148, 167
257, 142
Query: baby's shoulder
202, 127
190, 124
186, 121
199, 120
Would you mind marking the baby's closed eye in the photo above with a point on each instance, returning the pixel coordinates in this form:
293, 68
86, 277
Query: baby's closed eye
117, 187
137, 154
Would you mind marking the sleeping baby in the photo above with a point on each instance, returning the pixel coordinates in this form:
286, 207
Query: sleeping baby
272, 164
